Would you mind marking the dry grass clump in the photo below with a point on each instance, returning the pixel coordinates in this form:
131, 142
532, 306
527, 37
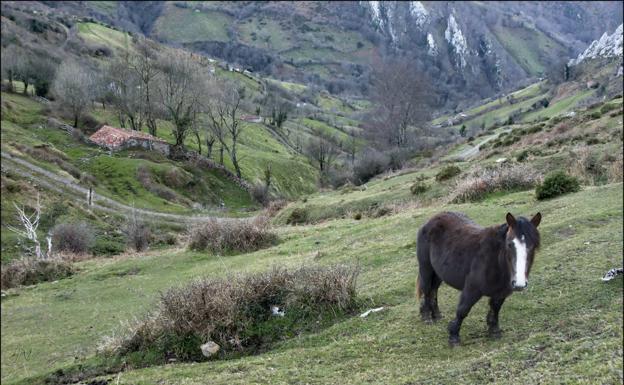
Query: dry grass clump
235, 313
615, 170
274, 207
482, 182
225, 236
589, 167
77, 238
29, 271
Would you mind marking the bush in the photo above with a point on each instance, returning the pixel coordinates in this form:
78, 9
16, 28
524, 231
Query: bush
138, 234
75, 237
595, 115
299, 215
609, 107
274, 207
29, 271
419, 188
498, 178
534, 129
447, 172
236, 314
587, 167
224, 236
370, 164
556, 184
522, 156
260, 194
107, 246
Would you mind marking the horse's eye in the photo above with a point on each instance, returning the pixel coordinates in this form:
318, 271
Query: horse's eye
510, 244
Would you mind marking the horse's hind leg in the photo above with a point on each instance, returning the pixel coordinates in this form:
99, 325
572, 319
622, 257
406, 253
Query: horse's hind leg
429, 283
435, 310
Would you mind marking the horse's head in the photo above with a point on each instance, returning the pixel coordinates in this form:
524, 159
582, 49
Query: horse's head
521, 241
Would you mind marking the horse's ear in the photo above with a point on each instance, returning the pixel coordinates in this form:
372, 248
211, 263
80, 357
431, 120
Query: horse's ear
537, 218
511, 221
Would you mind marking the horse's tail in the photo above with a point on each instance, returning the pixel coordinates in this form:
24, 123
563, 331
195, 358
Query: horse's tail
418, 290
422, 254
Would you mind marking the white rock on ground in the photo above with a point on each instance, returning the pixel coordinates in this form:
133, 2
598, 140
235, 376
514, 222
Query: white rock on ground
210, 348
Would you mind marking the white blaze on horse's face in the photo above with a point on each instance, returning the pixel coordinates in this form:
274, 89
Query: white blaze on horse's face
519, 281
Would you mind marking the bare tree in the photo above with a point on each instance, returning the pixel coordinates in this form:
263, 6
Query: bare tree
10, 65
322, 152
180, 93
400, 95
30, 224
74, 87
144, 65
126, 92
223, 110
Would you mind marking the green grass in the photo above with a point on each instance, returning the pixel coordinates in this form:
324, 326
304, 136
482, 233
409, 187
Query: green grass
186, 25
105, 36
528, 46
566, 325
116, 175
265, 33
560, 106
531, 91
324, 128
289, 86
258, 148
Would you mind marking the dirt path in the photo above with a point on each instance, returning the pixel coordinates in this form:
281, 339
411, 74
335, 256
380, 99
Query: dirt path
472, 151
68, 187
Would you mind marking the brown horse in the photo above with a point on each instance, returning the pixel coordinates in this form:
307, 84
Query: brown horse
492, 262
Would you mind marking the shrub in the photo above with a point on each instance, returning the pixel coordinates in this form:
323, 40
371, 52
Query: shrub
498, 178
236, 314
418, 188
274, 207
75, 237
107, 246
225, 235
615, 170
447, 172
522, 156
29, 271
556, 184
534, 129
586, 166
595, 115
357, 216
297, 216
609, 107
138, 234
260, 194
370, 164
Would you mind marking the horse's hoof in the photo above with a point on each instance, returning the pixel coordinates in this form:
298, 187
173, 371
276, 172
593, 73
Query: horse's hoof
495, 333
428, 321
453, 342
437, 317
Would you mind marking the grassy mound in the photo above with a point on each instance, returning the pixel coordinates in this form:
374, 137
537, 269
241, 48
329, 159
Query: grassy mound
236, 314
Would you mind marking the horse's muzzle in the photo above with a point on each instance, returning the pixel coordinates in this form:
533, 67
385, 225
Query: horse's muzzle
515, 287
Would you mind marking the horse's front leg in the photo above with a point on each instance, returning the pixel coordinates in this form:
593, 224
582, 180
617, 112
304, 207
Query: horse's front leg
492, 317
467, 299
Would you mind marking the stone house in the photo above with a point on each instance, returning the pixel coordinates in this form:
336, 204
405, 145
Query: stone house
116, 139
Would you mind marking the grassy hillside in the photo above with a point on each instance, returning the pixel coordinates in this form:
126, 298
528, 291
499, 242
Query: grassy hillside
567, 325
545, 327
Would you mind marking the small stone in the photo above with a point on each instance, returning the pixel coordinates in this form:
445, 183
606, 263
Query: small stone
210, 348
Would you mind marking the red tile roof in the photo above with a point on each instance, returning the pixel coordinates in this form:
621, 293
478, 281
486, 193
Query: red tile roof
113, 137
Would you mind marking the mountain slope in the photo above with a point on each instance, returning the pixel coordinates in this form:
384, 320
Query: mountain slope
471, 46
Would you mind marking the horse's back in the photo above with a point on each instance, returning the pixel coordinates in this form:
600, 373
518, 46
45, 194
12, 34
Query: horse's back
448, 221
445, 242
